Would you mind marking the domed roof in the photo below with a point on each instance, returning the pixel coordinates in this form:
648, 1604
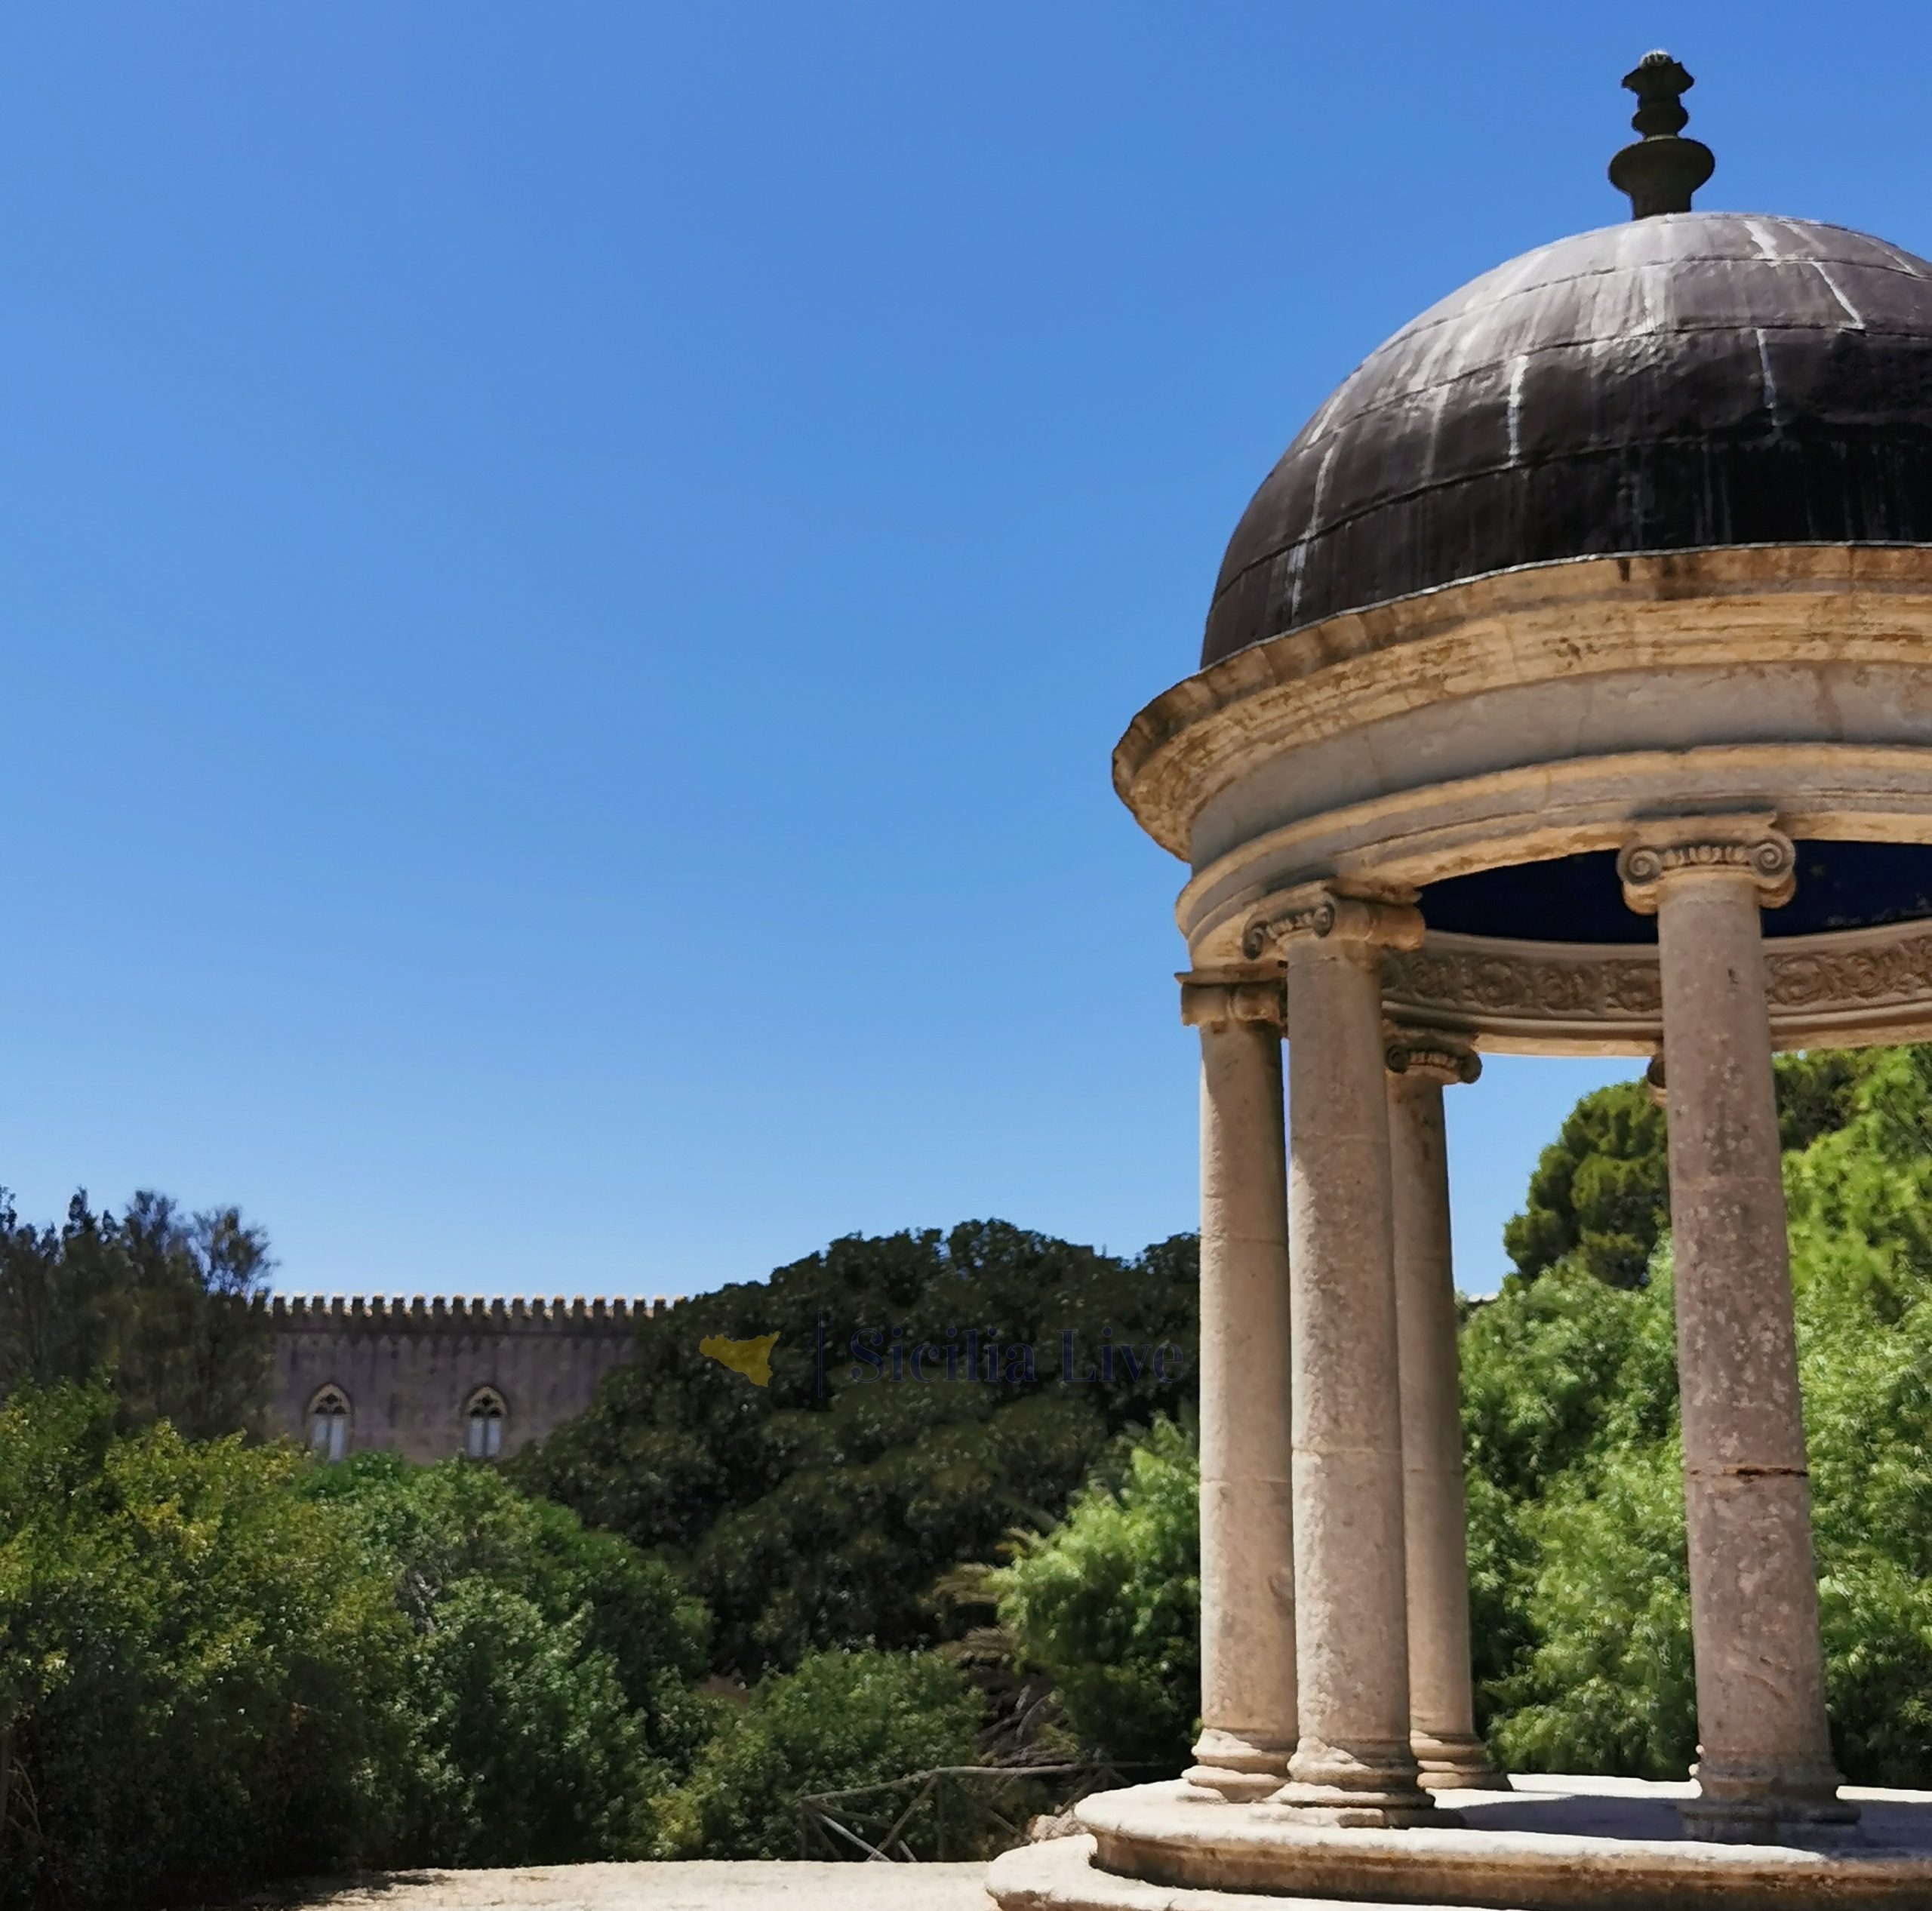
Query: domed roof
1673, 384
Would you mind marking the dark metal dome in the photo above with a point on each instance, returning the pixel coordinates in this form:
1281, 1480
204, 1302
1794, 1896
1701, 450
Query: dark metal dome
1675, 384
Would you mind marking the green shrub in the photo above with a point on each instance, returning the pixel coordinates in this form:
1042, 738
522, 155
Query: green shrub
530, 1754
1108, 1605
548, 1693
196, 1666
842, 1719
220, 1664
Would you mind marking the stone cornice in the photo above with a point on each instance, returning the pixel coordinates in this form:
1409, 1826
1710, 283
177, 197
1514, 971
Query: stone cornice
1829, 605
1845, 792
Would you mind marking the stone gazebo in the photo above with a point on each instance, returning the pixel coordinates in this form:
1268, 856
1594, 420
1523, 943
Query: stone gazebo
1567, 690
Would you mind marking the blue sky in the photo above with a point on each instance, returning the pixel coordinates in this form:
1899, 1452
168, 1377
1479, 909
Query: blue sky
568, 575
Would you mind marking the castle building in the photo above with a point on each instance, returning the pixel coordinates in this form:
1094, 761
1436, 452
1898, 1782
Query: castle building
431, 1379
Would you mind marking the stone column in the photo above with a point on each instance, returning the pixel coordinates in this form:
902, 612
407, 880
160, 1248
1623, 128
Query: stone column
1352, 1764
1247, 1573
1442, 1697
1765, 1755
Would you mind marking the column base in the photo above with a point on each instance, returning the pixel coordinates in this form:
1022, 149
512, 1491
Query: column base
1238, 1766
1744, 1805
1366, 1785
1460, 1763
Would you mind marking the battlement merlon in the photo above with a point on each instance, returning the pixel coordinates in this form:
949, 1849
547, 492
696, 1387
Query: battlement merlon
458, 1314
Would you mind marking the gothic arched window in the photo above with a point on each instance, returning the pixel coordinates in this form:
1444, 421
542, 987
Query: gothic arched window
484, 1418
328, 1424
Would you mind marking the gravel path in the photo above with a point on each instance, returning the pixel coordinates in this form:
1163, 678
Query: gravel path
694, 1887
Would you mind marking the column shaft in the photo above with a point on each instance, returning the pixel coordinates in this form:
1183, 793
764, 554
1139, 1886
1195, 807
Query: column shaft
1765, 1753
1442, 1697
1247, 1641
1352, 1764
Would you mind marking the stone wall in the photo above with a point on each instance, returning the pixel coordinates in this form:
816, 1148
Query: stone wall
410, 1373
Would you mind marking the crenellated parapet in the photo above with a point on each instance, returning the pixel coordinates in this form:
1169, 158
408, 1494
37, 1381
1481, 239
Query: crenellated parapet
397, 1314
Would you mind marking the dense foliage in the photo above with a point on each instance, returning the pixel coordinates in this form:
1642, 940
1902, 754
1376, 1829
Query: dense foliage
196, 1671
219, 1662
154, 1303
842, 1719
1580, 1606
1579, 1570
882, 1484
1599, 1198
1108, 1605
548, 1695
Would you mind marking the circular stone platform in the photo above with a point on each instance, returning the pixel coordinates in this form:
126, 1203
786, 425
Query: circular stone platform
1552, 1843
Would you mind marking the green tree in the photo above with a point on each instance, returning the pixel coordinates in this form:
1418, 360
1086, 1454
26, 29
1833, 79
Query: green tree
196, 1666
842, 1719
1860, 1197
1108, 1605
1600, 1197
154, 1303
808, 1516
1579, 1575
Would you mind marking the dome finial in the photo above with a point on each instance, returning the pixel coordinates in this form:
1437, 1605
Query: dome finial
1660, 171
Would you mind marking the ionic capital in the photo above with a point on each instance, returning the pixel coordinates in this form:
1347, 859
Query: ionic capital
1219, 999
1429, 1055
1321, 912
1686, 846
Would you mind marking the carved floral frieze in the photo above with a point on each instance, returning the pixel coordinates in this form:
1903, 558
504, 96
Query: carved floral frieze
1460, 983
1562, 988
1896, 972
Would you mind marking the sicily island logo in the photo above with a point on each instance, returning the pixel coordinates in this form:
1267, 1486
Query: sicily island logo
752, 1357
977, 1354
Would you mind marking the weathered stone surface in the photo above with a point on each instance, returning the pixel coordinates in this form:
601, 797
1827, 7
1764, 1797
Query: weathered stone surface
1441, 1700
409, 1369
1352, 1764
1765, 1746
1248, 1706
1069, 1881
1533, 715
1552, 1843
